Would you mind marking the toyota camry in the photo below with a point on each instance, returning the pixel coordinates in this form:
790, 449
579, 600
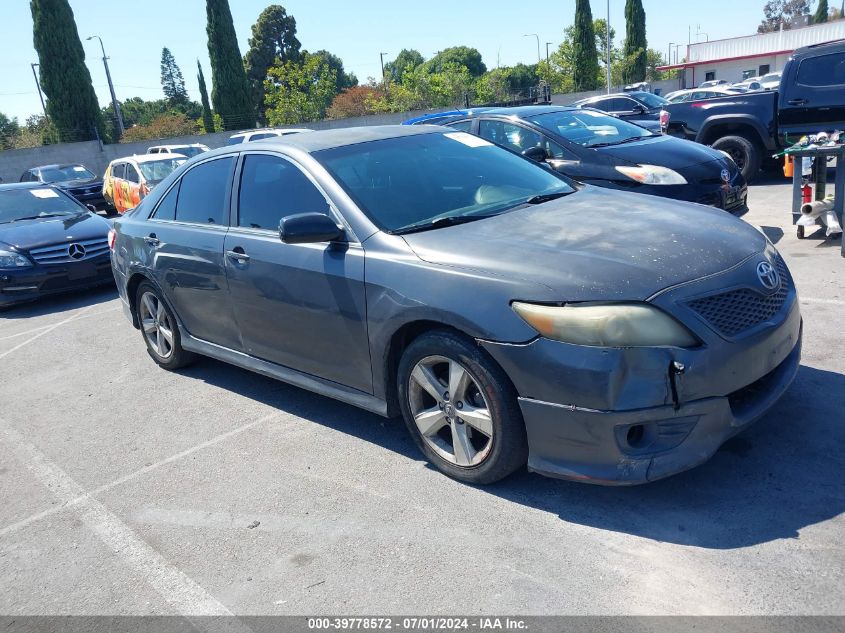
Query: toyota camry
427, 272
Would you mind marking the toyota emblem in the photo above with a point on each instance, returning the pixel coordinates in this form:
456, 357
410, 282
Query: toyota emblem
768, 276
726, 175
76, 251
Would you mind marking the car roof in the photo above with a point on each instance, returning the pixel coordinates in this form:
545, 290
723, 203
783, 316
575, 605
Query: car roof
280, 130
57, 166
180, 145
528, 110
148, 158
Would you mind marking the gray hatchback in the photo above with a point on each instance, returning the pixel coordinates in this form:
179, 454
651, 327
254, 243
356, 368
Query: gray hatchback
510, 315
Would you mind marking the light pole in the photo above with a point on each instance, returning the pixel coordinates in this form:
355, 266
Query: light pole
669, 59
381, 57
538, 43
547, 50
607, 45
40, 94
114, 102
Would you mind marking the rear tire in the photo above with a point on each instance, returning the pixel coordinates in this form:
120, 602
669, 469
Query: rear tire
485, 445
160, 329
745, 153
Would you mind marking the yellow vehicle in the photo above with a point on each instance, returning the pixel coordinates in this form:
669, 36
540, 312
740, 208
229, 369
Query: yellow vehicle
128, 180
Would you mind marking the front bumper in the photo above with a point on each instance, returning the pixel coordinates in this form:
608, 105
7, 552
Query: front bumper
621, 417
28, 284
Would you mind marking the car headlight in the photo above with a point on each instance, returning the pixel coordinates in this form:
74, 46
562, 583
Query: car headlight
652, 175
10, 259
606, 325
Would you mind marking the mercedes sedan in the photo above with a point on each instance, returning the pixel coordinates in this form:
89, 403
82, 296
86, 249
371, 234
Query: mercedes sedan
510, 315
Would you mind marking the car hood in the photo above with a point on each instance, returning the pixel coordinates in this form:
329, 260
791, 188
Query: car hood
27, 234
667, 151
596, 244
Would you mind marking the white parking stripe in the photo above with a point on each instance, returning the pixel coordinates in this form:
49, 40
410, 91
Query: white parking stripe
833, 302
43, 332
181, 592
76, 499
44, 327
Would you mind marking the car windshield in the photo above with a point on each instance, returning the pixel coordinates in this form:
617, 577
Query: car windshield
425, 181
771, 77
589, 128
157, 170
651, 100
66, 173
41, 202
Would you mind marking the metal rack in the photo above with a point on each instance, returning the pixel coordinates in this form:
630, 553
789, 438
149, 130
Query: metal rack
822, 154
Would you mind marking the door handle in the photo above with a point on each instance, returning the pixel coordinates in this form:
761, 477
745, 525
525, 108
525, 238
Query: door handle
152, 240
238, 255
797, 102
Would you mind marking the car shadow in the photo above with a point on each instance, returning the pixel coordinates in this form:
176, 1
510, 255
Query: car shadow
778, 477
60, 303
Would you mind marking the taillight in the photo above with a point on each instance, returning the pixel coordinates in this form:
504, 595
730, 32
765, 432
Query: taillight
664, 119
112, 237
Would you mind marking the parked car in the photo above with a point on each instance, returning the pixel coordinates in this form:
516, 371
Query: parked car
442, 118
257, 135
508, 313
697, 94
636, 107
128, 180
75, 178
601, 150
749, 85
189, 151
770, 81
49, 243
755, 125
711, 83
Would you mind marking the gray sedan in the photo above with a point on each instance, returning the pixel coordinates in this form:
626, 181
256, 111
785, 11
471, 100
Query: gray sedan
510, 315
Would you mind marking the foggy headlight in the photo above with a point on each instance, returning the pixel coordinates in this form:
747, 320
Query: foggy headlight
8, 259
652, 175
610, 325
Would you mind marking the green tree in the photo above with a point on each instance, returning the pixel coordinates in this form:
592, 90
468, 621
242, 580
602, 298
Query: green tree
464, 56
585, 69
71, 100
273, 38
172, 82
344, 80
635, 42
299, 91
600, 27
407, 59
207, 116
9, 132
779, 12
821, 14
230, 92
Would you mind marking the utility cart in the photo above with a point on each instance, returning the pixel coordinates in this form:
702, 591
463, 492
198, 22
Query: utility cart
821, 154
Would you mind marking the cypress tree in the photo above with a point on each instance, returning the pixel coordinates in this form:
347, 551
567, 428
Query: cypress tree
821, 12
230, 89
172, 82
585, 67
71, 101
635, 42
207, 117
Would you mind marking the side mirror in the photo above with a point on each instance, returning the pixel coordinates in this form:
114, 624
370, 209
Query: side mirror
91, 208
539, 154
308, 228
638, 109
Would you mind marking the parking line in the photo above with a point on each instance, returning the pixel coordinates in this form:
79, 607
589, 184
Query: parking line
833, 302
79, 498
186, 596
44, 327
43, 332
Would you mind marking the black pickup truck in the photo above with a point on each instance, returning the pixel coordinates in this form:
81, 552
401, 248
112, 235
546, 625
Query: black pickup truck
754, 125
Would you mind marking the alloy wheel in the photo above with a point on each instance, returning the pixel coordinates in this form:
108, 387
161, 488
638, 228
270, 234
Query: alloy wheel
450, 411
156, 324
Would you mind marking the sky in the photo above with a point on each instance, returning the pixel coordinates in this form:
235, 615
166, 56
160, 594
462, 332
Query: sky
355, 31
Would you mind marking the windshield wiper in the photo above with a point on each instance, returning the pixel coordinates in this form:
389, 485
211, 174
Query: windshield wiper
546, 197
44, 215
449, 220
626, 140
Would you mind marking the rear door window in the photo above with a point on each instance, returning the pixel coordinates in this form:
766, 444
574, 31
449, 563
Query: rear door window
118, 170
824, 70
132, 174
203, 193
272, 188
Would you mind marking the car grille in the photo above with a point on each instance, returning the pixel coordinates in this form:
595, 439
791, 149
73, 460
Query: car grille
734, 312
82, 191
60, 253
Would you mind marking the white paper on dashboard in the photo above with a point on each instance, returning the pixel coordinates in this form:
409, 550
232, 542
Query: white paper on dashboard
43, 193
468, 139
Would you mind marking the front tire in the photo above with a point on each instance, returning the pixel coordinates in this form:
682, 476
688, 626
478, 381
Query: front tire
744, 152
159, 329
461, 409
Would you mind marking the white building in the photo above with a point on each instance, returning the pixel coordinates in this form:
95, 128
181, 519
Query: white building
739, 58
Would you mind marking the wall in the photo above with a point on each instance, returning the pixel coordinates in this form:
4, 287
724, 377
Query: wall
14, 162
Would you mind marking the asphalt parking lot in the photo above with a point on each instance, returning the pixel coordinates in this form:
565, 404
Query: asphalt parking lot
130, 490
